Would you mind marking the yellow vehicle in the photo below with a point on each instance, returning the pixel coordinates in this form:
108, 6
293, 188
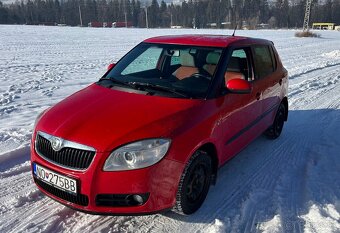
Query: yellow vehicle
324, 26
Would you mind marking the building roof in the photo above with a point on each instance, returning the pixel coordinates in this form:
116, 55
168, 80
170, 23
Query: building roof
204, 40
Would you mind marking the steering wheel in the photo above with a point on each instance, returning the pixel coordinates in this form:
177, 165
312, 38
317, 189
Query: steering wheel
200, 75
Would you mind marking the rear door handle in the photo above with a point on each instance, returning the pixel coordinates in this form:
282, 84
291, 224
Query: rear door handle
258, 95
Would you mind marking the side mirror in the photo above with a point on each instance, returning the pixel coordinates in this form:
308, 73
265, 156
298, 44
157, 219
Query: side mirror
111, 66
238, 86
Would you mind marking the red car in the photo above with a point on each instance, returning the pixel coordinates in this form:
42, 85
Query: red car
151, 134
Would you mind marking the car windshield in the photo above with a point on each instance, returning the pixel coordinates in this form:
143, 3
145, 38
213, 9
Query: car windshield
167, 70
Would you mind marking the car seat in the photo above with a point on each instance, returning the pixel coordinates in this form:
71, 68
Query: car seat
211, 62
234, 70
187, 67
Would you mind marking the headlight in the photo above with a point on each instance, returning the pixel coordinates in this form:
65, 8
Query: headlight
137, 155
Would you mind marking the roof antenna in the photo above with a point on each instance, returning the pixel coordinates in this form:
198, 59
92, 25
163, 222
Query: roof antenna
234, 30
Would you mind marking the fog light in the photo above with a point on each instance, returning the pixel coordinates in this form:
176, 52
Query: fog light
138, 199
120, 200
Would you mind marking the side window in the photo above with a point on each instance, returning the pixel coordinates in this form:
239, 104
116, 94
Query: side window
146, 61
240, 53
263, 61
238, 65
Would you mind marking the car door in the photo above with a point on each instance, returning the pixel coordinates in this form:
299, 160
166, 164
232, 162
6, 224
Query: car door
240, 112
269, 81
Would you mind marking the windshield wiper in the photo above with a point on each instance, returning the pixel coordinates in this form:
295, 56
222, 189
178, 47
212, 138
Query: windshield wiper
159, 88
113, 80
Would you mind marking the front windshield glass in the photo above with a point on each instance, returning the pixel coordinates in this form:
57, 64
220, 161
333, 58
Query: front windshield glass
167, 70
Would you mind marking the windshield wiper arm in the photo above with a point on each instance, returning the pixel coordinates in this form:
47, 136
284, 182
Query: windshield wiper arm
113, 80
160, 88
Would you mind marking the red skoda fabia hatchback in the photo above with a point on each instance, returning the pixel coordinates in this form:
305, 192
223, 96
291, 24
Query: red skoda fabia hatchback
151, 134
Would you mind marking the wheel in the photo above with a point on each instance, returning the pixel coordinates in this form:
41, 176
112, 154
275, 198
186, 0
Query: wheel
275, 130
194, 184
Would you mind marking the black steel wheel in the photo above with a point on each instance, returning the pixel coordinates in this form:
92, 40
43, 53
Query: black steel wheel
194, 184
275, 130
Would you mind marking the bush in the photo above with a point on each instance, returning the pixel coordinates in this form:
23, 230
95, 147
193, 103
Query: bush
307, 34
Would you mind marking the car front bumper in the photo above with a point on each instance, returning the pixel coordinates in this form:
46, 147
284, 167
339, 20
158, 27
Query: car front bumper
102, 192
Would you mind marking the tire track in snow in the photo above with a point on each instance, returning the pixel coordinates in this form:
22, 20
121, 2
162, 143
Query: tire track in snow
317, 68
261, 188
322, 82
290, 193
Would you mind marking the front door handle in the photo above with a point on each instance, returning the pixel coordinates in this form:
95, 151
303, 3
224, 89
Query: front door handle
258, 95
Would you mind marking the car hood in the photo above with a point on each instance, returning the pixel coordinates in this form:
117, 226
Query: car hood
104, 118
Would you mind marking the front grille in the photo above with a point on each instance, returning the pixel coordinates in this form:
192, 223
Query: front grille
78, 199
68, 157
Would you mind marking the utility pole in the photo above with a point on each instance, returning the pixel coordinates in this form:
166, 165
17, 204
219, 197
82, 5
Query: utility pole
171, 20
80, 17
126, 24
307, 16
146, 17
125, 14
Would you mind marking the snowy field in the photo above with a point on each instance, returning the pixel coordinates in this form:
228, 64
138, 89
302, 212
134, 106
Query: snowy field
288, 185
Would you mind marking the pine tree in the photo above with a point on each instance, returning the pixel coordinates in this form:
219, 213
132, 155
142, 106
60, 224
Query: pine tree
153, 14
198, 13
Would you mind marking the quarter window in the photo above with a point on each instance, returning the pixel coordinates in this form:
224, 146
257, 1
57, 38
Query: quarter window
263, 61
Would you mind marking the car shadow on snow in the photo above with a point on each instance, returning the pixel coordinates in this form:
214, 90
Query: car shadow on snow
13, 158
279, 182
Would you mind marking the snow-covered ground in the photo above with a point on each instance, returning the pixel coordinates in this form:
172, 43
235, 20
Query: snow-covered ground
288, 185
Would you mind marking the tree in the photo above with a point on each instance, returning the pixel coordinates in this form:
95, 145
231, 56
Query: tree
199, 13
164, 15
3, 14
136, 10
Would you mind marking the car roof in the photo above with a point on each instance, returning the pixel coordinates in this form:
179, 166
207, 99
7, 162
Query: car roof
206, 40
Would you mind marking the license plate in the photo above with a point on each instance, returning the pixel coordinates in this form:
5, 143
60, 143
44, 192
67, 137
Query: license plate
55, 179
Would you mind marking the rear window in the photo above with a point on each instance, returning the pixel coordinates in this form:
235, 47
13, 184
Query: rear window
263, 60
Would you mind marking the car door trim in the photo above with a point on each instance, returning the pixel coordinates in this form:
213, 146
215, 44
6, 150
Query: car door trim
248, 127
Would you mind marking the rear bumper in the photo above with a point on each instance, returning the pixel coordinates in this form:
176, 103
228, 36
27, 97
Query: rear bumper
158, 184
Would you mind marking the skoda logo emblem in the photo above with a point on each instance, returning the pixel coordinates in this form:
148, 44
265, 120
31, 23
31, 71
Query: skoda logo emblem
57, 143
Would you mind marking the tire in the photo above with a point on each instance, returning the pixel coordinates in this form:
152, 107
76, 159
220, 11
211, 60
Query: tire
194, 184
274, 131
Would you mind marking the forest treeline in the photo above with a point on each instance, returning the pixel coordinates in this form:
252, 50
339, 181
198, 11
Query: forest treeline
197, 13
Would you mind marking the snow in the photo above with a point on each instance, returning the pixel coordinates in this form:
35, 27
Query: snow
333, 54
287, 185
322, 219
